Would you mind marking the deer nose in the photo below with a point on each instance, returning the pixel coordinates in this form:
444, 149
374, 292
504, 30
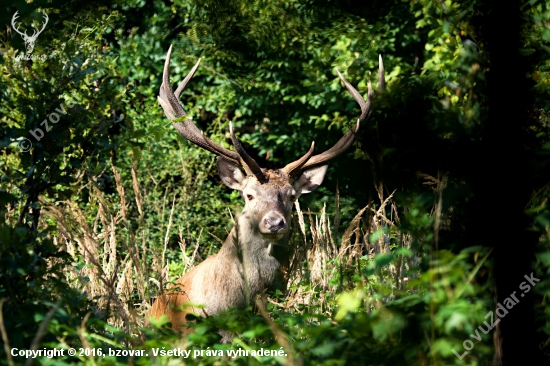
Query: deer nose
274, 224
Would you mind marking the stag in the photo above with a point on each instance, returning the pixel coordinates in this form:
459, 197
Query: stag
251, 257
29, 40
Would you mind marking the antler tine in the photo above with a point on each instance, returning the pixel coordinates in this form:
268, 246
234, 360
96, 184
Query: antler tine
364, 105
347, 140
381, 79
166, 92
183, 84
173, 109
46, 22
250, 164
292, 169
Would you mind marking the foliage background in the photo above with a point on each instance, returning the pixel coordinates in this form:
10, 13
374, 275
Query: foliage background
111, 203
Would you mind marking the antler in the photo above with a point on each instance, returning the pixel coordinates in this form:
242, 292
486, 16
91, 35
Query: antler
35, 34
173, 110
15, 16
308, 161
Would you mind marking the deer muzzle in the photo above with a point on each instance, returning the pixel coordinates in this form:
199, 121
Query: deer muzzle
274, 225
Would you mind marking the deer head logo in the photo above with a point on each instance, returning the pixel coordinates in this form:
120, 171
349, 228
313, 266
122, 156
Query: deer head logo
29, 40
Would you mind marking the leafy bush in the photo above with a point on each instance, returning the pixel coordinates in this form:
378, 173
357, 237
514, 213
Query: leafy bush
106, 205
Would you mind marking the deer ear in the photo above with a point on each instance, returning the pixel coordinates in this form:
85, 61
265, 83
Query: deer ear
230, 174
310, 180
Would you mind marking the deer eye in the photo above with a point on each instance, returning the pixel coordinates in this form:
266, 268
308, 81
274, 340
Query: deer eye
293, 198
249, 197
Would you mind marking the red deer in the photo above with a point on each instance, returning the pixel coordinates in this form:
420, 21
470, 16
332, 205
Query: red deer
251, 257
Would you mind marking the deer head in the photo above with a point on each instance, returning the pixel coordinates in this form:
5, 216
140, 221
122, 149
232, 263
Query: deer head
29, 40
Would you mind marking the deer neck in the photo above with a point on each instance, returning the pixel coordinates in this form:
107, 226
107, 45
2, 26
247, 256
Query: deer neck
259, 257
